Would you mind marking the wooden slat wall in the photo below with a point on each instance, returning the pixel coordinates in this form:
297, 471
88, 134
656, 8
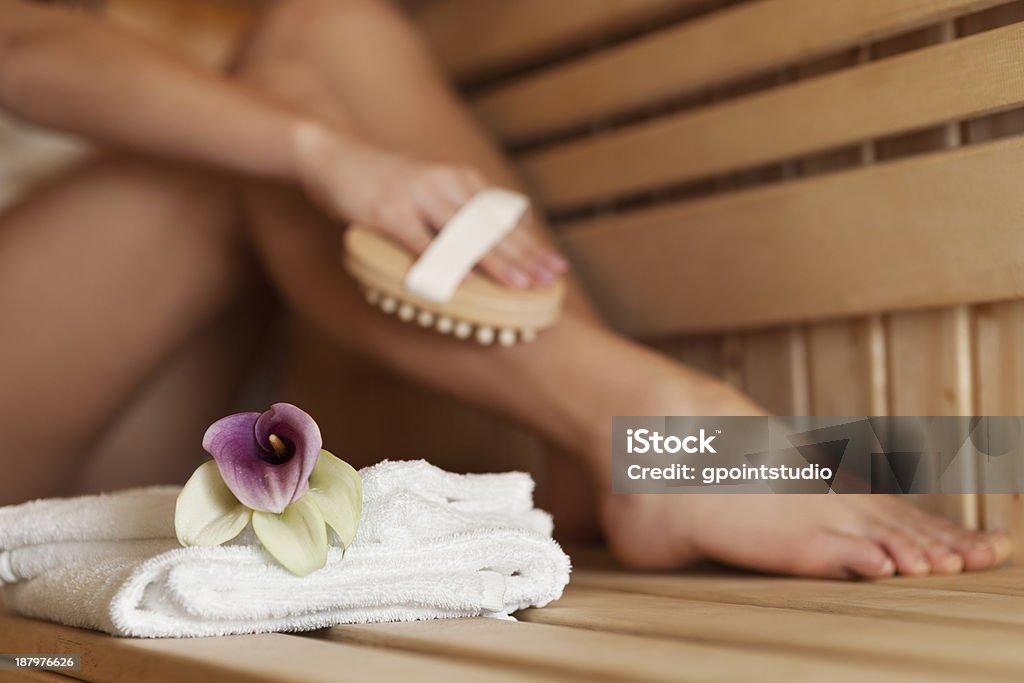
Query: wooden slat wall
998, 328
755, 37
473, 39
893, 236
923, 88
899, 325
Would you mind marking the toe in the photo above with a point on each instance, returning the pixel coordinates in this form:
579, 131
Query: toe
904, 548
835, 555
942, 558
979, 550
939, 546
983, 550
864, 558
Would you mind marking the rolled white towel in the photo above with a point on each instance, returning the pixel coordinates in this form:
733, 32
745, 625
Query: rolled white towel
428, 547
401, 500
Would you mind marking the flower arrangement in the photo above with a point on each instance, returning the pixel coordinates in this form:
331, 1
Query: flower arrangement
270, 469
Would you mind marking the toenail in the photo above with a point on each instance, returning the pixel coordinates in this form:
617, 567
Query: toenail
1001, 547
920, 566
557, 262
544, 277
952, 564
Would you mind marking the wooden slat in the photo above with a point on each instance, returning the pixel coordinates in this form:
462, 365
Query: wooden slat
586, 654
847, 365
775, 370
473, 38
922, 88
237, 659
890, 600
724, 46
36, 677
926, 231
1006, 581
929, 358
999, 328
999, 366
931, 651
930, 351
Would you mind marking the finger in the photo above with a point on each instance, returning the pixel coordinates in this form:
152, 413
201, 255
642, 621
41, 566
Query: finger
544, 260
532, 255
526, 260
504, 270
408, 229
473, 180
435, 208
456, 186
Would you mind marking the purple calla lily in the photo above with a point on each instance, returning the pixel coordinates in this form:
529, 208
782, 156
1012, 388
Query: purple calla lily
266, 458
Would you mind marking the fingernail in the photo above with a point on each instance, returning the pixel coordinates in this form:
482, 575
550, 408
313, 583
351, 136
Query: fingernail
920, 566
557, 262
517, 278
543, 276
888, 567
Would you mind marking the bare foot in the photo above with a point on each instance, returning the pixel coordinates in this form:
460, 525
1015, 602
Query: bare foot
825, 536
836, 537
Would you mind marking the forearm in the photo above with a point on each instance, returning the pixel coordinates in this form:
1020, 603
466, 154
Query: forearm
68, 71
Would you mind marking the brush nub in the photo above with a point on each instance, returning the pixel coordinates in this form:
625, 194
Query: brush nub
461, 329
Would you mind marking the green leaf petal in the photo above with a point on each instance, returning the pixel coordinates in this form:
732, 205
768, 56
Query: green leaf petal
337, 490
297, 538
207, 513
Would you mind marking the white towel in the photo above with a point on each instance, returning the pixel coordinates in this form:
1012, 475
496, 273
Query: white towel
431, 545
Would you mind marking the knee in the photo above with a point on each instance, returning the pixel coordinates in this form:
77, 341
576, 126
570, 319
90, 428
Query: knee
300, 17
290, 27
316, 11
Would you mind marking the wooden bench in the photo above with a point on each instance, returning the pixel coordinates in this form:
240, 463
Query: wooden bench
816, 201
611, 626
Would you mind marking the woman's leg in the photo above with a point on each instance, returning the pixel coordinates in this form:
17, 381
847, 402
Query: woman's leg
104, 274
366, 67
156, 438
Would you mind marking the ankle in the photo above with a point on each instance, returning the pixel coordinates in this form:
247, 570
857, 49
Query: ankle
649, 383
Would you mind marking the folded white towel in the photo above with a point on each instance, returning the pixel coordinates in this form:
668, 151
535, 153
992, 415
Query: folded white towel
431, 545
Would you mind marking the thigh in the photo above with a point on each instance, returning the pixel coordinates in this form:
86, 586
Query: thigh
103, 274
228, 366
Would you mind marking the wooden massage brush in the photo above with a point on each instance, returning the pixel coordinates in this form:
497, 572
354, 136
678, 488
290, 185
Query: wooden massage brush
440, 291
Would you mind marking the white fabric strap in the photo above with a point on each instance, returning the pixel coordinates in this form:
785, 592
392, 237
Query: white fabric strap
474, 230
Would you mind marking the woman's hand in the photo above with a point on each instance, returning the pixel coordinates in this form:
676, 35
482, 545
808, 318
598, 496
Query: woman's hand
410, 201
